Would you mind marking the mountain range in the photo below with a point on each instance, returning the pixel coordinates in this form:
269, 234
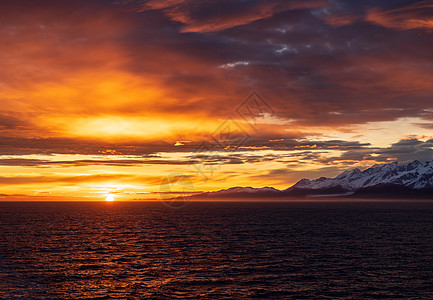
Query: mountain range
414, 179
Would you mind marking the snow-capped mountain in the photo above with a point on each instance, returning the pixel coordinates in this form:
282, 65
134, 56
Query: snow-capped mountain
392, 179
414, 175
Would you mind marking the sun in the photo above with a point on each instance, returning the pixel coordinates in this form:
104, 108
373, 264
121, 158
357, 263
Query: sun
109, 198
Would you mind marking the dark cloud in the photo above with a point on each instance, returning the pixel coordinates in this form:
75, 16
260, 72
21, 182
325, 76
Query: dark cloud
213, 16
405, 150
12, 122
27, 146
408, 150
317, 63
425, 125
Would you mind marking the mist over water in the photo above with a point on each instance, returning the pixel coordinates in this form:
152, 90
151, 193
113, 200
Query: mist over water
297, 250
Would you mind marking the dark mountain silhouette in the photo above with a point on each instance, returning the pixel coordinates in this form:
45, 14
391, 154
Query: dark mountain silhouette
413, 179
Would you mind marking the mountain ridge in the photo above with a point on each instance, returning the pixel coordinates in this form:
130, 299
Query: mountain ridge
392, 179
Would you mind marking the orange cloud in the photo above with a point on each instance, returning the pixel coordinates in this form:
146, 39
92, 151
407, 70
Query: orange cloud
341, 20
415, 16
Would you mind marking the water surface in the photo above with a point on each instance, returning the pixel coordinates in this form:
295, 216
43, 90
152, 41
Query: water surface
324, 250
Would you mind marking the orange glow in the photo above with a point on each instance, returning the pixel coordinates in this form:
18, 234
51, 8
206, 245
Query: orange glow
126, 127
106, 102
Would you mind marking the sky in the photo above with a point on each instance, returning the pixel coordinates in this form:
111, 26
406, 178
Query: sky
139, 99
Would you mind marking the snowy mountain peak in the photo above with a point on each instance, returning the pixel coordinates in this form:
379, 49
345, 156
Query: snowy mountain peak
349, 174
415, 175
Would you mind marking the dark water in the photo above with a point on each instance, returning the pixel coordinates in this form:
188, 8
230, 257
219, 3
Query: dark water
216, 250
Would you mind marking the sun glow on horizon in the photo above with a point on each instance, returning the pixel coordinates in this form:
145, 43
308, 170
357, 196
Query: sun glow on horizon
109, 198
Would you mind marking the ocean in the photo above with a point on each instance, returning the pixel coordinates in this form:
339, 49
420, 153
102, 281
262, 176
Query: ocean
218, 250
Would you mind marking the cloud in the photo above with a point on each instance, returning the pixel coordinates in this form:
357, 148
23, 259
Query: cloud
418, 15
12, 122
139, 66
341, 20
133, 77
27, 145
24, 180
74, 180
405, 150
90, 162
214, 16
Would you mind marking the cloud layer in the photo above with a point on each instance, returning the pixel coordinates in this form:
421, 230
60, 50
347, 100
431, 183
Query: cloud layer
347, 82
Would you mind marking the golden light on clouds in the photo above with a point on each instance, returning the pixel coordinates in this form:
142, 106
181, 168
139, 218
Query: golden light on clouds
124, 127
102, 98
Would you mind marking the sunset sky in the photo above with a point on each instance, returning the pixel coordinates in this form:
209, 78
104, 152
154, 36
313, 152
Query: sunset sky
107, 97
